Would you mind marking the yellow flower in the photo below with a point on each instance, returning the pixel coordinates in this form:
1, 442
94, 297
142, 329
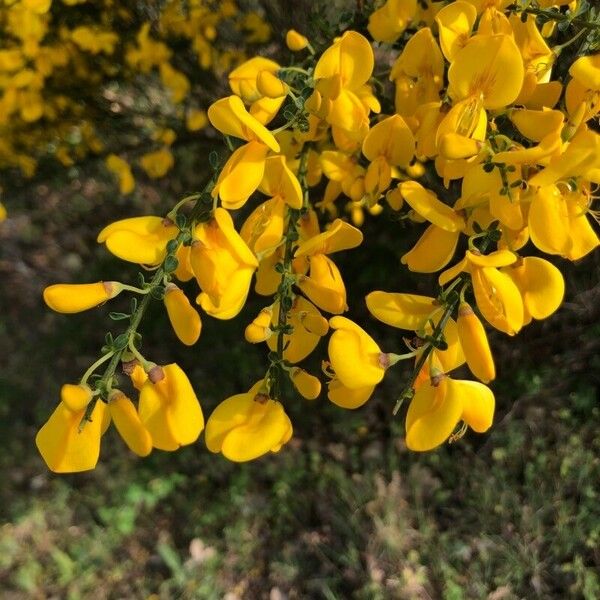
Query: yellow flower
416, 313
342, 168
355, 357
438, 243
497, 296
295, 41
538, 58
582, 97
263, 229
439, 405
230, 117
280, 182
65, 448
350, 398
558, 223
341, 72
388, 144
418, 73
141, 240
387, 23
433, 250
482, 188
455, 23
223, 265
541, 284
196, 120
122, 170
175, 81
308, 327
260, 328
241, 175
169, 409
324, 284
475, 345
128, 424
184, 319
308, 385
158, 163
136, 373
244, 170
489, 67
580, 158
242, 80
94, 41
270, 86
246, 426
339, 236
75, 396
73, 298
391, 139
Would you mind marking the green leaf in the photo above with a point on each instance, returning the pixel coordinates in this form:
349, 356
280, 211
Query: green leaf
118, 316
171, 263
120, 342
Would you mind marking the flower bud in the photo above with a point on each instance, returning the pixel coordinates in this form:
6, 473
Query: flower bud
474, 342
308, 385
259, 330
270, 85
73, 298
295, 41
184, 318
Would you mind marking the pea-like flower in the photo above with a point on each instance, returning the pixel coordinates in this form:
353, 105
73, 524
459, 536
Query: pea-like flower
64, 446
141, 240
184, 318
475, 345
127, 421
71, 298
440, 404
355, 357
223, 265
246, 426
169, 408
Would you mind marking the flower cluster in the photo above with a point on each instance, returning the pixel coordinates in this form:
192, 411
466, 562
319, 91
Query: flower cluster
480, 146
70, 68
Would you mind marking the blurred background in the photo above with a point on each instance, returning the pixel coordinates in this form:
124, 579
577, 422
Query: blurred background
344, 511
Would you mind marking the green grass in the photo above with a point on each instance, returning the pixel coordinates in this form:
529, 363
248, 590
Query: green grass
347, 514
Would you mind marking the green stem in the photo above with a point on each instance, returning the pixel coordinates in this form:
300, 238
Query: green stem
555, 16
172, 214
294, 70
94, 366
132, 288
287, 273
558, 49
104, 385
408, 391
